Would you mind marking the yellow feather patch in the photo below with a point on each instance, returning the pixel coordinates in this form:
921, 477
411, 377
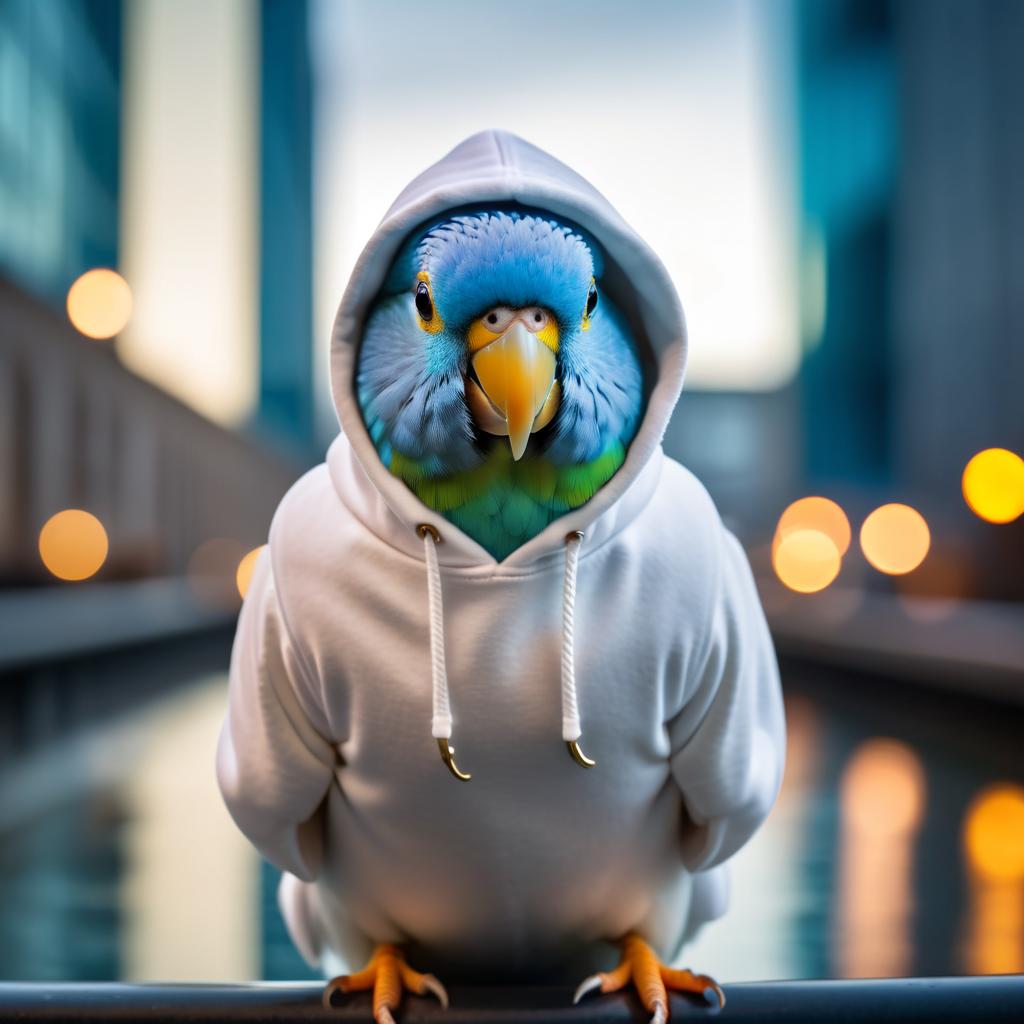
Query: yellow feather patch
435, 324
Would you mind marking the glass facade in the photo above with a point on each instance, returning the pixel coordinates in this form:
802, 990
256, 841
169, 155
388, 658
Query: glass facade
60, 71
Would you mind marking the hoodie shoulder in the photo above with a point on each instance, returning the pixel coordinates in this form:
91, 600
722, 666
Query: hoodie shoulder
685, 535
686, 499
308, 530
306, 498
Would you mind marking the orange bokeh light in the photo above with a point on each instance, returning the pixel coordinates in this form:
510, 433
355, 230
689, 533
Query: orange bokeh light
246, 567
806, 560
73, 544
895, 539
816, 513
100, 303
993, 485
994, 833
883, 788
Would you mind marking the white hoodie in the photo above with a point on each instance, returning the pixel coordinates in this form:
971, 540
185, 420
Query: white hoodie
360, 641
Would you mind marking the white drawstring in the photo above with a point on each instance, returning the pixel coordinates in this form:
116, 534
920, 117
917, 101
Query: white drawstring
441, 723
570, 707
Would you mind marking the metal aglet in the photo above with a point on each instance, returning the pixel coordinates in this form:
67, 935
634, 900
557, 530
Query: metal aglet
578, 756
448, 756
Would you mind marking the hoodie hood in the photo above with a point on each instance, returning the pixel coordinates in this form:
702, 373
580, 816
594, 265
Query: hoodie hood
497, 166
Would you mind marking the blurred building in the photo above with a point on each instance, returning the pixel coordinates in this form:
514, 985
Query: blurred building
77, 191
913, 297
854, 333
60, 103
209, 153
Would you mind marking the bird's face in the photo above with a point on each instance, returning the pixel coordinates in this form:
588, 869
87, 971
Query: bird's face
482, 329
511, 356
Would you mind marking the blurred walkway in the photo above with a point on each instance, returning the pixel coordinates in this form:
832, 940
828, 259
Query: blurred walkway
118, 859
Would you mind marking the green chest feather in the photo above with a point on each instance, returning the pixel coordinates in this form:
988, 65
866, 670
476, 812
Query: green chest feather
501, 503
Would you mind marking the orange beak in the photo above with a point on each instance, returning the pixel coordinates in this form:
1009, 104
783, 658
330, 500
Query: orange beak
517, 393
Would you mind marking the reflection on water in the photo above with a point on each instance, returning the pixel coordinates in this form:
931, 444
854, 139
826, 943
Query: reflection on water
881, 805
897, 848
60, 909
117, 859
994, 844
189, 884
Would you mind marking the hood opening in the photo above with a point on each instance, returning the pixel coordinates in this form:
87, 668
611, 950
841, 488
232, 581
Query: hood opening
495, 168
615, 281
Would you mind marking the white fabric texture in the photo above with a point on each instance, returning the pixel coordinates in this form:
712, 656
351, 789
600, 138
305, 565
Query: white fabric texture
362, 641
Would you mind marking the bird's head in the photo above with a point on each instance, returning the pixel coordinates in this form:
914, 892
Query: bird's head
493, 324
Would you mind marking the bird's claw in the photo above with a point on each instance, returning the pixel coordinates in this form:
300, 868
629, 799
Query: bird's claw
586, 986
436, 989
710, 985
327, 996
653, 980
387, 975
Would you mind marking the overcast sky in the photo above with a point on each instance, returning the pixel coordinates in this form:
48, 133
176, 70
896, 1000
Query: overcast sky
680, 112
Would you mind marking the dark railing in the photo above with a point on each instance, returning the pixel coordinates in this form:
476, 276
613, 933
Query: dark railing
919, 1000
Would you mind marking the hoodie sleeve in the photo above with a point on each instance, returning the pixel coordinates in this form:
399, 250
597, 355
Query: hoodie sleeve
728, 742
273, 766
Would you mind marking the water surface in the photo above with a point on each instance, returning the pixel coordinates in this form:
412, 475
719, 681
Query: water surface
895, 848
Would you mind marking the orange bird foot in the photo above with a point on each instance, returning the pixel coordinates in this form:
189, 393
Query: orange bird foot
651, 979
388, 975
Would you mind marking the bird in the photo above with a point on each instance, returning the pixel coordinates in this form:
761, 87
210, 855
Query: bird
496, 548
496, 377
502, 385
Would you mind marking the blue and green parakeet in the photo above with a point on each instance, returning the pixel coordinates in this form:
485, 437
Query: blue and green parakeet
496, 377
497, 551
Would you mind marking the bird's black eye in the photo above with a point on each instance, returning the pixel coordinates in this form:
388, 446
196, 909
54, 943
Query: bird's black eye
424, 303
591, 299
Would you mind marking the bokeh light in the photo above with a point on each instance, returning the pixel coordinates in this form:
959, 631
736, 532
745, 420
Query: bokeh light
806, 560
994, 833
100, 303
993, 485
895, 539
73, 544
816, 513
883, 789
246, 567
